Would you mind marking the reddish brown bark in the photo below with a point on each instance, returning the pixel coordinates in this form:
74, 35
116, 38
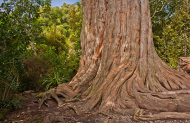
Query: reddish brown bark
184, 64
120, 70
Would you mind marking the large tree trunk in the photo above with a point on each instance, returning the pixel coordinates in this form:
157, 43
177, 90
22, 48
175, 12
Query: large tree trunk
120, 70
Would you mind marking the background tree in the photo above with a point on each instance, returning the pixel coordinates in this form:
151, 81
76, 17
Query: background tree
168, 39
176, 35
18, 25
54, 36
75, 21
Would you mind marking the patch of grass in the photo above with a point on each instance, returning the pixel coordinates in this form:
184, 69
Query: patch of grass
6, 106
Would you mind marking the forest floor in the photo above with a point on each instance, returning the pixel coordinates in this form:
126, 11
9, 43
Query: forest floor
30, 113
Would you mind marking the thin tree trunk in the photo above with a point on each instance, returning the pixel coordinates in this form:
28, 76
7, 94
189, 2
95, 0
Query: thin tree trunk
32, 47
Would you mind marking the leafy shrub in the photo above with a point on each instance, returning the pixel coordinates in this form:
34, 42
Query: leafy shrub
63, 66
48, 69
35, 68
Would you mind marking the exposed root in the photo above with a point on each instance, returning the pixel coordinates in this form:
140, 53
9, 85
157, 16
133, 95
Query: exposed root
76, 110
72, 100
60, 103
139, 115
46, 104
62, 90
103, 113
170, 104
175, 92
44, 97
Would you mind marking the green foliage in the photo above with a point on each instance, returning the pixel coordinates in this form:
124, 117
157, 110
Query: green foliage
10, 104
61, 47
171, 29
40, 47
62, 68
54, 80
56, 36
6, 106
10, 58
18, 27
48, 69
75, 19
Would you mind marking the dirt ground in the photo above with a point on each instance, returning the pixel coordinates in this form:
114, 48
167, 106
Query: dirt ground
30, 113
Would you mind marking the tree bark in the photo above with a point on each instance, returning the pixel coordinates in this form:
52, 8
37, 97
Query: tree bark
184, 64
119, 67
120, 70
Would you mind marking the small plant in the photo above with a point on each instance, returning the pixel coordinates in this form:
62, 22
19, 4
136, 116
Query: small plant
10, 104
54, 80
6, 106
39, 95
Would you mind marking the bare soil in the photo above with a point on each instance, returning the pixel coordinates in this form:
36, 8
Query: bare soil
30, 113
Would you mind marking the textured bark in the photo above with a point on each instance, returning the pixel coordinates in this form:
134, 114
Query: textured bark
184, 64
120, 70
